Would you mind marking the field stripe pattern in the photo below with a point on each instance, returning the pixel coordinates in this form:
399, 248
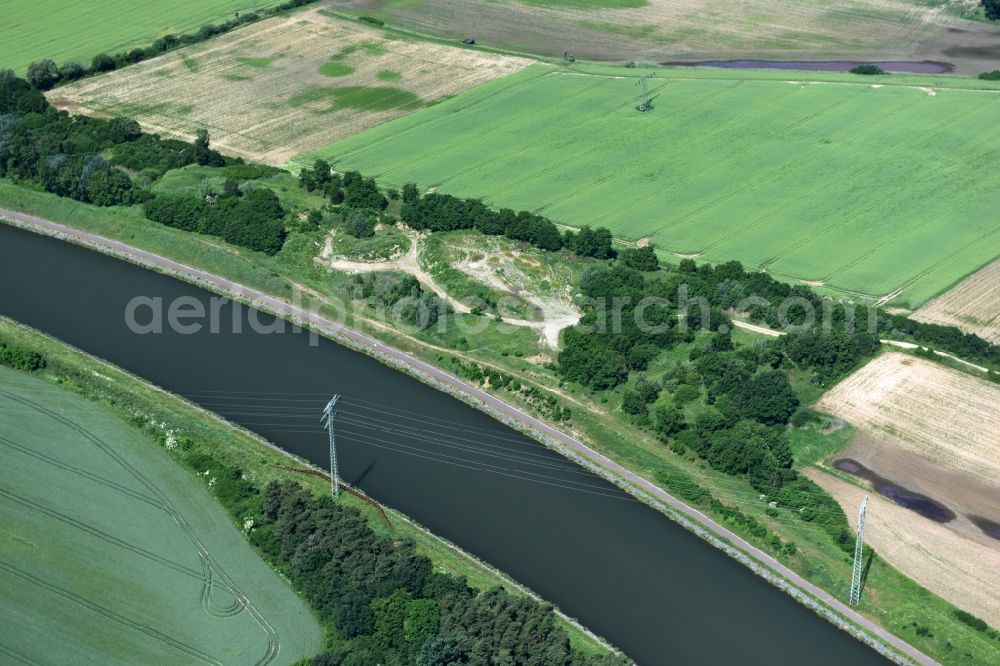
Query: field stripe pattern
866, 189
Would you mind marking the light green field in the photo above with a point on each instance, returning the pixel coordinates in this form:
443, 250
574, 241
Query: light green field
859, 184
65, 31
112, 553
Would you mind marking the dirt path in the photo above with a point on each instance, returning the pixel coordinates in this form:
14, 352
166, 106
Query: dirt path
409, 262
763, 330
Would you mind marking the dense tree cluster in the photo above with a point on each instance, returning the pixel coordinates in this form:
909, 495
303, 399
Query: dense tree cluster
67, 154
384, 601
20, 358
641, 258
254, 219
609, 342
443, 212
992, 8
44, 74
381, 602
350, 189
400, 297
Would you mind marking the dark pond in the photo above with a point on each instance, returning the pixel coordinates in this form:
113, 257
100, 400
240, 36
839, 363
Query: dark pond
623, 569
922, 504
922, 67
989, 527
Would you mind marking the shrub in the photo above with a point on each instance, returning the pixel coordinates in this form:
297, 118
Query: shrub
123, 129
868, 70
42, 75
991, 76
21, 358
360, 224
102, 62
71, 71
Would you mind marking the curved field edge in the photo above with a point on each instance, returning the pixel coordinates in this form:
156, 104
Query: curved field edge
146, 539
900, 599
814, 177
122, 393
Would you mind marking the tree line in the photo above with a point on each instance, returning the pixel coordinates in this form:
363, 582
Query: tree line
380, 601
45, 74
90, 159
444, 212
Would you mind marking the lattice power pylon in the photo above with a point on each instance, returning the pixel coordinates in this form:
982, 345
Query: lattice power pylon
328, 419
644, 82
859, 547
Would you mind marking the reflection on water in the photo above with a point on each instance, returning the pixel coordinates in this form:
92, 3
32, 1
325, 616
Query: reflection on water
922, 504
923, 67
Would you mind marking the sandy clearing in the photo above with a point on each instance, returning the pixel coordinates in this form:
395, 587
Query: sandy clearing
946, 563
549, 326
945, 415
972, 305
260, 93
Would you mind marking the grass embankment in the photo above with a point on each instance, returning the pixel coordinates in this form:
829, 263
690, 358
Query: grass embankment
847, 169
154, 413
891, 599
112, 553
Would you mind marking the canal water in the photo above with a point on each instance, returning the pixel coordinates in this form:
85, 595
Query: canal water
623, 569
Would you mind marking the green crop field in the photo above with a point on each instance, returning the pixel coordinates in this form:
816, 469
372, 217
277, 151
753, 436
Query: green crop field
113, 554
66, 31
859, 184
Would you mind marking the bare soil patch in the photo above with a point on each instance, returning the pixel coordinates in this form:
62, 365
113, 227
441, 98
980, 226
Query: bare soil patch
972, 305
704, 30
286, 85
956, 568
948, 417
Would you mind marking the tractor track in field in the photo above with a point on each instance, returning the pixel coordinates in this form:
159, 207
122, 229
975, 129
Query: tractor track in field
17, 656
695, 139
101, 535
923, 137
211, 567
81, 472
109, 614
425, 156
590, 151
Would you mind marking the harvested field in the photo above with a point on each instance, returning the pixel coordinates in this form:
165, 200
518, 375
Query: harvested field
690, 29
944, 415
833, 180
972, 305
957, 569
285, 85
